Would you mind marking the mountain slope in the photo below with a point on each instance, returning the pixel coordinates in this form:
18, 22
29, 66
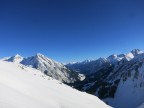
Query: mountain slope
24, 87
47, 66
120, 84
89, 67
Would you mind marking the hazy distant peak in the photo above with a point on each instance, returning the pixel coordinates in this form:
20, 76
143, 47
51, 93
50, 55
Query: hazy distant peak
102, 59
16, 58
121, 55
17, 55
136, 52
113, 56
39, 55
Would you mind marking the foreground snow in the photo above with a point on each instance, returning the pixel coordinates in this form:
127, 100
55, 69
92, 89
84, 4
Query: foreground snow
23, 87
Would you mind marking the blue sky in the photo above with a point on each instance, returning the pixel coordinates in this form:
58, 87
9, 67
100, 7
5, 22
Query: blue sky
71, 30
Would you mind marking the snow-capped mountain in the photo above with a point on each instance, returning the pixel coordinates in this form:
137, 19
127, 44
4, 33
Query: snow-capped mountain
136, 52
133, 54
17, 58
25, 87
48, 66
115, 58
92, 66
120, 84
89, 66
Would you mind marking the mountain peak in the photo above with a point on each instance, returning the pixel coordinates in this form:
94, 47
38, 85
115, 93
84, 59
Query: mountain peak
51, 68
39, 55
102, 59
136, 52
17, 58
17, 55
85, 61
113, 56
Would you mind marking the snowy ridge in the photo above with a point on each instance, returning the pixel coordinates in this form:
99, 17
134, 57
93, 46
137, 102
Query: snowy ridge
17, 58
24, 87
92, 66
47, 66
115, 58
89, 66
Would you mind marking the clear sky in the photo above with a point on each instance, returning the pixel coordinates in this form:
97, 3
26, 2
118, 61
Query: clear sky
71, 30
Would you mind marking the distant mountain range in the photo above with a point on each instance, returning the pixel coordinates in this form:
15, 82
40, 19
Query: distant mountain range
118, 79
92, 66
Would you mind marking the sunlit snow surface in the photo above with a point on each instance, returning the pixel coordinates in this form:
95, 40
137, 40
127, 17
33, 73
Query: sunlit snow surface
23, 87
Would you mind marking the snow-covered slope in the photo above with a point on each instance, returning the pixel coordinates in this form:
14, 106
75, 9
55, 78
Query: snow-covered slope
130, 90
48, 66
141, 106
24, 87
